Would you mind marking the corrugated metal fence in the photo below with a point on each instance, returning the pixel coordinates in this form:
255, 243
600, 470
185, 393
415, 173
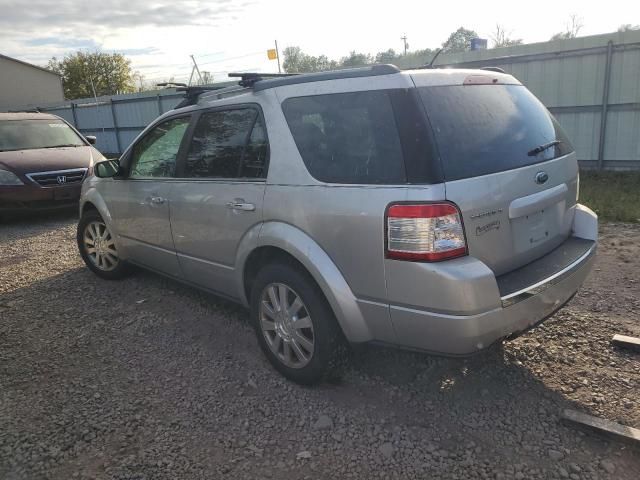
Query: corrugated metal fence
591, 84
118, 119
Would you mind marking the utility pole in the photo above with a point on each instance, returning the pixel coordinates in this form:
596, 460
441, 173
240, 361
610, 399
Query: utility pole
404, 40
195, 69
278, 56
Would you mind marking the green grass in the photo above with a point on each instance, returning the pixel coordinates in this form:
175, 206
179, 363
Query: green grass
614, 196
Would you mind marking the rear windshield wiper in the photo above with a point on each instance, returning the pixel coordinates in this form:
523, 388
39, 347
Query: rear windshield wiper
543, 147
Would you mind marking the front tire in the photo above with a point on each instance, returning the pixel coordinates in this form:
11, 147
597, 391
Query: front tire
97, 247
295, 325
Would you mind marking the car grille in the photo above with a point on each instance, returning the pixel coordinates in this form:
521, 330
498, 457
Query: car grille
58, 178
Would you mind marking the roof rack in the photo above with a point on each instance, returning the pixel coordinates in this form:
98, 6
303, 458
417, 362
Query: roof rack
249, 79
262, 81
192, 93
368, 71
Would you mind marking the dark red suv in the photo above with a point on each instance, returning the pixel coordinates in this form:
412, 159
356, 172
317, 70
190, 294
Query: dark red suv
43, 162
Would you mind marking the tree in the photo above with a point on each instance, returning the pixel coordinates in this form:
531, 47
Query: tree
459, 41
296, 61
573, 28
82, 72
207, 78
501, 38
356, 60
389, 56
627, 27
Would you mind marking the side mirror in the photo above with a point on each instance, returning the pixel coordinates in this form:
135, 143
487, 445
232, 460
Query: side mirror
91, 139
106, 169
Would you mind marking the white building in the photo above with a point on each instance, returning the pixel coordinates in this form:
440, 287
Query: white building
23, 84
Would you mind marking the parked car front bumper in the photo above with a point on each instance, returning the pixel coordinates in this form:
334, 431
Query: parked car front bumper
32, 197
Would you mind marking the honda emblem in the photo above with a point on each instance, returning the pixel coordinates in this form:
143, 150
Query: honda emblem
61, 179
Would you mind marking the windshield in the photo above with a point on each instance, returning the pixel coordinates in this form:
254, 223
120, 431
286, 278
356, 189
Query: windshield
30, 134
483, 129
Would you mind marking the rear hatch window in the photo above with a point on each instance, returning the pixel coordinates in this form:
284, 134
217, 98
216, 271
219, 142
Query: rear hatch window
483, 129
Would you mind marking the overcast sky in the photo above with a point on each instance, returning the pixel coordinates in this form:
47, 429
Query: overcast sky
224, 35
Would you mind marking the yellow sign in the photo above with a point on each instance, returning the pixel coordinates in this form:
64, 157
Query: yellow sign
272, 54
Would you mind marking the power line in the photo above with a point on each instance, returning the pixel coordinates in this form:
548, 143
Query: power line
233, 58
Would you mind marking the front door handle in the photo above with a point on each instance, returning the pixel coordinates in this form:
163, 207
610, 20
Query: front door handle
157, 200
239, 204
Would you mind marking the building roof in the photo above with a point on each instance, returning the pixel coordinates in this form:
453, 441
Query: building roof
29, 65
27, 116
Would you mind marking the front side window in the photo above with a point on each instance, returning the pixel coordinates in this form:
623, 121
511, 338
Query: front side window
155, 155
347, 137
228, 144
32, 134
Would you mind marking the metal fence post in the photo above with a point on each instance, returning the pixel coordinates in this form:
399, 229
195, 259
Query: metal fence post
159, 105
73, 114
116, 131
605, 105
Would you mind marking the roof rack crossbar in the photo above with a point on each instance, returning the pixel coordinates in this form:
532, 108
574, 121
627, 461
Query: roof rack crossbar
192, 93
248, 79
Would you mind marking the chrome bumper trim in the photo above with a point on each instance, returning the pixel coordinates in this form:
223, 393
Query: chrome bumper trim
542, 285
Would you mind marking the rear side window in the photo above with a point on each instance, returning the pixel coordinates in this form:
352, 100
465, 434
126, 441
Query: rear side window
348, 138
483, 129
228, 144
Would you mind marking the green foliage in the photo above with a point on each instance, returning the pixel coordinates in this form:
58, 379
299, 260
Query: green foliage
110, 74
459, 41
573, 28
296, 61
614, 196
628, 27
355, 59
562, 36
390, 56
501, 38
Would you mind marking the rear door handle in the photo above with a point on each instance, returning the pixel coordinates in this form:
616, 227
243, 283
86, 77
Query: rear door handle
157, 200
241, 205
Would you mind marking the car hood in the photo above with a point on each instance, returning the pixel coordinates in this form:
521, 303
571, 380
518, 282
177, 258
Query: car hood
22, 162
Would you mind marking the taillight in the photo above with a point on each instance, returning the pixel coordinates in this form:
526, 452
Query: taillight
427, 232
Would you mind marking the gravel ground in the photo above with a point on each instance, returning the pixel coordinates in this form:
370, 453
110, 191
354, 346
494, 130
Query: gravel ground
148, 379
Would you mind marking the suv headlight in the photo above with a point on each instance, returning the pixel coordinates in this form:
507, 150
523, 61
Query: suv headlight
9, 178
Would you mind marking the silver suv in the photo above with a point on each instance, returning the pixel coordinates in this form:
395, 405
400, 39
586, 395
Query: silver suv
427, 209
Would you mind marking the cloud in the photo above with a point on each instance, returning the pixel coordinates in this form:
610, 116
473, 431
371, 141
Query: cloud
76, 43
134, 52
114, 14
39, 29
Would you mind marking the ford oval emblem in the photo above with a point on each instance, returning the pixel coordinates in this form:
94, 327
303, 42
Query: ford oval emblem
541, 177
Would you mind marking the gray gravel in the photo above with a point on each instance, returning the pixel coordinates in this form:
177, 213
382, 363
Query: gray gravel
148, 379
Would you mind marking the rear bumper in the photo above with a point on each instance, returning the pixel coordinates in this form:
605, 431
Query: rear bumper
466, 334
28, 197
523, 299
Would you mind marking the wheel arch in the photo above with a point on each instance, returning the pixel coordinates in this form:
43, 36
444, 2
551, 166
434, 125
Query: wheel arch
91, 199
280, 242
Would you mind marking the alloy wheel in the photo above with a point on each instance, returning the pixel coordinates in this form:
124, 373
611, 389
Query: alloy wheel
100, 246
286, 325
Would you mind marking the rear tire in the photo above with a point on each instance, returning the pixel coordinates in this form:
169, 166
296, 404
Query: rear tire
97, 247
295, 325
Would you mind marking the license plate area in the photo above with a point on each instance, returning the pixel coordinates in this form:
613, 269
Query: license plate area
66, 194
536, 228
